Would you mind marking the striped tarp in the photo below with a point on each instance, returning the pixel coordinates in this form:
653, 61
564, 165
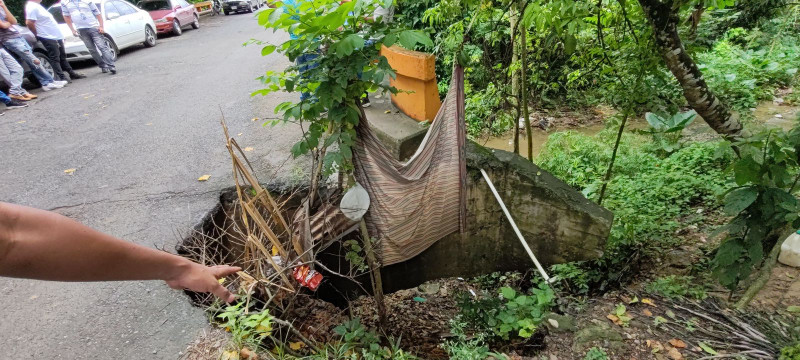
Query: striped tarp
416, 203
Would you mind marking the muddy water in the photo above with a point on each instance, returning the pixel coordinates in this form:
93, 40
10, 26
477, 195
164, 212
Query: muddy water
775, 115
768, 113
539, 136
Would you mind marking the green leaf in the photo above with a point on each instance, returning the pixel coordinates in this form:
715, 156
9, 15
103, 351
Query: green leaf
269, 49
746, 171
728, 252
570, 43
740, 199
508, 293
707, 348
410, 38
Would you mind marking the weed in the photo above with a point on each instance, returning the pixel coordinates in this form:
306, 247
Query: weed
674, 286
790, 352
246, 329
596, 353
463, 347
648, 194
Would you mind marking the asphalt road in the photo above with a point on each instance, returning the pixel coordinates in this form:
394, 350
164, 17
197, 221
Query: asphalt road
138, 141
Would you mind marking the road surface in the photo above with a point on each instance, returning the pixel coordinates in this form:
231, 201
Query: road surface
138, 141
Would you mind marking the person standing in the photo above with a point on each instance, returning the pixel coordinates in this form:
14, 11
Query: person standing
84, 19
44, 27
14, 43
12, 72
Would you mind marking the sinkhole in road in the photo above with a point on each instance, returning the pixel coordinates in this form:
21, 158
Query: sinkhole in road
221, 238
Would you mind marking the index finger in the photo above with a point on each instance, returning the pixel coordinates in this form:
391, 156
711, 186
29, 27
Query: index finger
223, 294
221, 271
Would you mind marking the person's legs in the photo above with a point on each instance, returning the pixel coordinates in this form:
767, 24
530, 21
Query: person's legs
4, 98
55, 56
88, 40
20, 47
95, 41
11, 103
11, 72
62, 58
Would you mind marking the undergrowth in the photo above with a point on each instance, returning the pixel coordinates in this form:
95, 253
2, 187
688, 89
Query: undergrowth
648, 194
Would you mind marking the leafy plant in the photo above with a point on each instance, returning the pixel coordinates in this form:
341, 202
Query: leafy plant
354, 255
357, 339
522, 314
766, 174
246, 328
666, 128
790, 352
674, 286
345, 44
464, 347
647, 195
574, 275
596, 353
620, 316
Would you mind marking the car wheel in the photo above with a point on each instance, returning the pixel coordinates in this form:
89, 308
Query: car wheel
112, 47
149, 37
225, 12
176, 28
196, 23
45, 64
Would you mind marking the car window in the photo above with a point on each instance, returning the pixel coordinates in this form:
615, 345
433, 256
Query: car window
112, 11
155, 5
57, 15
124, 8
183, 3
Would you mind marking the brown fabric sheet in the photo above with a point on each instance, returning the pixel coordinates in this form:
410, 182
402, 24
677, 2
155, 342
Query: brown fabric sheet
416, 203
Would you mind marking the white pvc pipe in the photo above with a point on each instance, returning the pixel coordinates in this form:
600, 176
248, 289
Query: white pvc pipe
516, 229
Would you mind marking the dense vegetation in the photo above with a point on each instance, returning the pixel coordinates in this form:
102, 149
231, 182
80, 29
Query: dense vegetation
667, 61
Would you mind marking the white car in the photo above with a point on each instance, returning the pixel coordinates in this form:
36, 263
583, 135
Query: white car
125, 25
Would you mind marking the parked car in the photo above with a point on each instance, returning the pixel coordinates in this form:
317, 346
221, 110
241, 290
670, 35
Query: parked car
236, 6
125, 25
171, 16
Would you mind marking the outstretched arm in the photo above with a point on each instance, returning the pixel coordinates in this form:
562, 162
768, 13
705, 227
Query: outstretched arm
43, 245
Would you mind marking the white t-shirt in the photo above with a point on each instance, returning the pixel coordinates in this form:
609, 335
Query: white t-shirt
46, 26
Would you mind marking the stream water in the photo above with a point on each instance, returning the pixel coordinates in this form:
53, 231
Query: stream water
768, 113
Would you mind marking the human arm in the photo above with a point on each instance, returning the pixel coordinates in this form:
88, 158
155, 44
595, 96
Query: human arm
98, 16
43, 245
100, 21
31, 16
9, 16
68, 20
31, 26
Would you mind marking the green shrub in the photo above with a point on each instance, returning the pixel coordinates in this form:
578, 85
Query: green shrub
596, 353
647, 194
742, 76
512, 314
676, 286
790, 352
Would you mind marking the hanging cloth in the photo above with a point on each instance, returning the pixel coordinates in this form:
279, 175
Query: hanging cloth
417, 202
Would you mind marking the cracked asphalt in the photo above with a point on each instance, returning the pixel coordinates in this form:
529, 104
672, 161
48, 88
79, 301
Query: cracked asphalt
138, 141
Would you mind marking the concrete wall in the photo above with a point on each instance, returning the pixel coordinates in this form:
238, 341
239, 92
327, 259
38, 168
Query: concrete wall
559, 224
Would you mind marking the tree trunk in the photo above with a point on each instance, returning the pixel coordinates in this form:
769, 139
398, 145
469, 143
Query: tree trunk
664, 20
524, 89
513, 21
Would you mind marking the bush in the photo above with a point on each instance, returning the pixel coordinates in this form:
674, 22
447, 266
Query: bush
647, 194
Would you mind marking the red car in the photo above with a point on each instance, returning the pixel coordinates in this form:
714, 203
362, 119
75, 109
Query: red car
171, 15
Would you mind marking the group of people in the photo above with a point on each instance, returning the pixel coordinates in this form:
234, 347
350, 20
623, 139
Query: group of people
83, 18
